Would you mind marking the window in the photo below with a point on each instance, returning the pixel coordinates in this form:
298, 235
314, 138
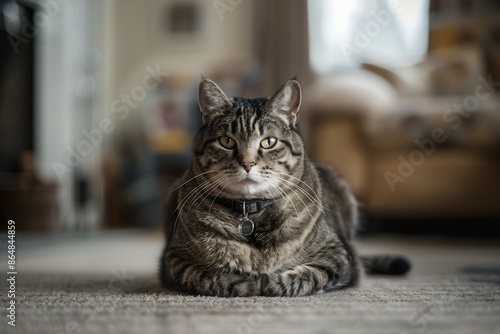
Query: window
383, 32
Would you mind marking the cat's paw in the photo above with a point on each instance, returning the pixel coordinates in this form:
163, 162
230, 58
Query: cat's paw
290, 283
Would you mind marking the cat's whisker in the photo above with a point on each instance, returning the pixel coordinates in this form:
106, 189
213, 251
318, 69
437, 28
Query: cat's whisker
308, 186
217, 182
192, 193
305, 205
187, 197
214, 187
181, 204
310, 214
283, 194
304, 183
191, 179
230, 181
315, 201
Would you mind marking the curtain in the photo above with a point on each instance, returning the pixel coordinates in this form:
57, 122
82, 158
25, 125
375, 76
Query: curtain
281, 44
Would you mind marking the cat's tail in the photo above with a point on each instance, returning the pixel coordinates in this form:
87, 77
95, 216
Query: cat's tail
386, 264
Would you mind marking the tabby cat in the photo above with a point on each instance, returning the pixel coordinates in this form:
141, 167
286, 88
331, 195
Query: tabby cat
253, 216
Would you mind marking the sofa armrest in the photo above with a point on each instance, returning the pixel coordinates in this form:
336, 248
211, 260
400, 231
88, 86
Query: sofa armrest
339, 107
339, 141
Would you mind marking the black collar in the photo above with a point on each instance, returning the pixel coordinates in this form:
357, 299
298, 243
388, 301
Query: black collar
251, 206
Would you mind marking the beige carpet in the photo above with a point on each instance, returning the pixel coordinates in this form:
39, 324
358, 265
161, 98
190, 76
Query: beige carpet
107, 284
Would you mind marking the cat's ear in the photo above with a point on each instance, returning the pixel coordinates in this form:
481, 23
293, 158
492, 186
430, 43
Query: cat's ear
212, 100
286, 102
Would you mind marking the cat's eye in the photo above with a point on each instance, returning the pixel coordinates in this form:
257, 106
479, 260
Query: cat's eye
269, 142
227, 142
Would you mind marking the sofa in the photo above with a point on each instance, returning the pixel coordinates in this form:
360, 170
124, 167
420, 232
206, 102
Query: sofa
410, 145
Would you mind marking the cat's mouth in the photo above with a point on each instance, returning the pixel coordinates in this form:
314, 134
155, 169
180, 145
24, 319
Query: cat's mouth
249, 178
248, 185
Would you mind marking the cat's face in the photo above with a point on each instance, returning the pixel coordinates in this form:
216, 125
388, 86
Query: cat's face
248, 148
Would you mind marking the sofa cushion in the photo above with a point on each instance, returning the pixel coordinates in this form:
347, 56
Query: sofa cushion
447, 118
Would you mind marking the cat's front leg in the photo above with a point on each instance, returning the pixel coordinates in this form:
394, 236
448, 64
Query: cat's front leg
210, 282
302, 280
307, 279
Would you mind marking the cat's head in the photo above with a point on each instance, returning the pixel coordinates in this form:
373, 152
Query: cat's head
248, 148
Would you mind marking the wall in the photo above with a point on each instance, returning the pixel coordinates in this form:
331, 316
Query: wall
137, 42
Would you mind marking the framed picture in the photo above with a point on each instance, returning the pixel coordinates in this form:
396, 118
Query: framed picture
179, 21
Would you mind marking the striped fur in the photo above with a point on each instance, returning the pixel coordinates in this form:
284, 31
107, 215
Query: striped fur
301, 245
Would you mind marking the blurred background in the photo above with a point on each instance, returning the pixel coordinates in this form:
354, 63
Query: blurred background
98, 103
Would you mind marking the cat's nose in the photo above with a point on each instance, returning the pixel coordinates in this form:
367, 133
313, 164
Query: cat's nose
247, 165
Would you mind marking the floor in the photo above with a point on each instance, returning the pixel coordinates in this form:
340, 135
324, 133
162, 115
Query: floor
106, 283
